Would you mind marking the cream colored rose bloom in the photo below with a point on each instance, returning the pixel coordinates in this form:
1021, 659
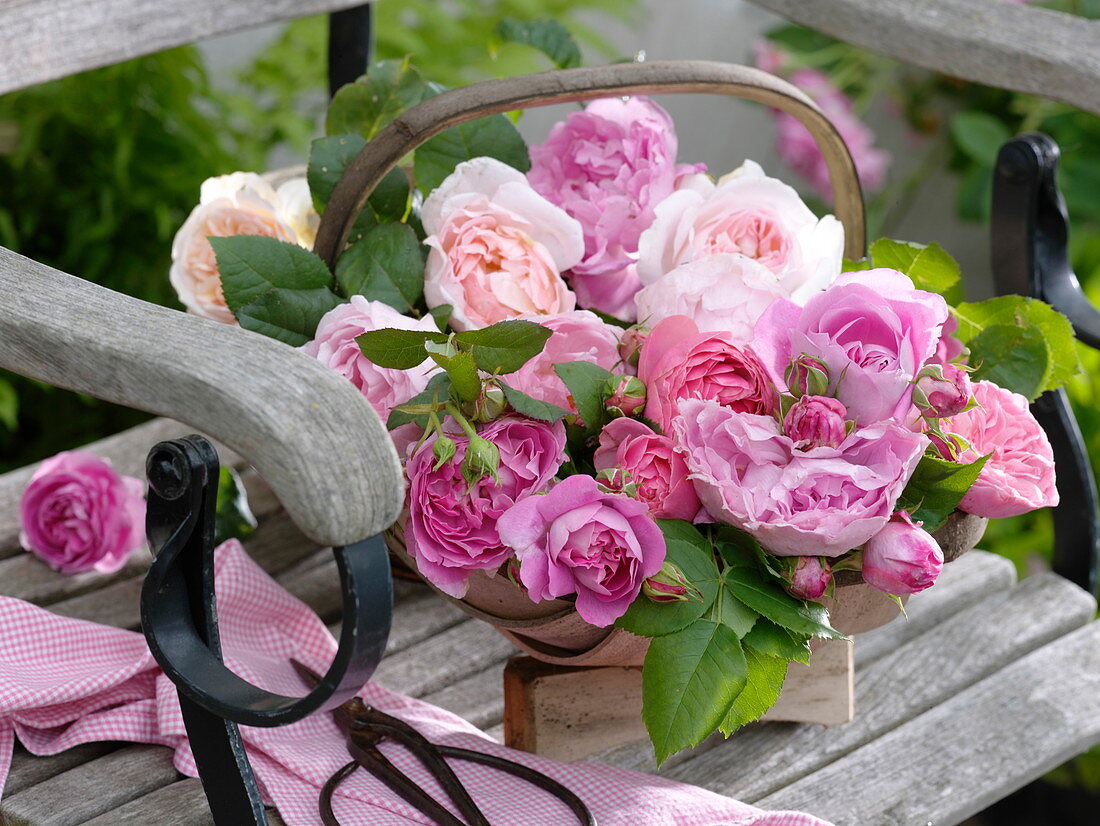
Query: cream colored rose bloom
242, 203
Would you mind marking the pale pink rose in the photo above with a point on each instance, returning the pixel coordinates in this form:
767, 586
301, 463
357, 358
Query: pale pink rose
1019, 476
819, 502
577, 539
577, 336
334, 345
809, 578
452, 527
609, 166
750, 214
816, 421
497, 247
679, 362
720, 292
239, 204
78, 514
799, 151
902, 558
297, 211
872, 329
654, 465
949, 348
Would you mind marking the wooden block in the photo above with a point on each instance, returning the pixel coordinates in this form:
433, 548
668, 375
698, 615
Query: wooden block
572, 712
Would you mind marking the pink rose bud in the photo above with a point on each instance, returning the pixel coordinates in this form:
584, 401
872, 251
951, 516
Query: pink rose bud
807, 376
942, 390
630, 345
670, 585
809, 578
511, 572
902, 558
626, 395
816, 421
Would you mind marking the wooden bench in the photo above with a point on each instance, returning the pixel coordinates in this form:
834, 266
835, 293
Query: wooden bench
989, 684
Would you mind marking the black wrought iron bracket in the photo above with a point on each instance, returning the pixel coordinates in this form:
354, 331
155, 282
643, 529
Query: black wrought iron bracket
180, 620
1030, 246
349, 45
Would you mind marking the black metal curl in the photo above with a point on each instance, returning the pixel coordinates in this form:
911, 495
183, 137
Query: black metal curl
1030, 255
350, 42
179, 618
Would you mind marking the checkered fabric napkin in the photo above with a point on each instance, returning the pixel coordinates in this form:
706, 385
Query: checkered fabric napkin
64, 682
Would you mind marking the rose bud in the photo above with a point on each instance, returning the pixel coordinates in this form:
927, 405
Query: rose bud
511, 572
902, 558
816, 421
490, 404
630, 345
942, 390
444, 450
626, 395
670, 585
482, 458
809, 578
807, 376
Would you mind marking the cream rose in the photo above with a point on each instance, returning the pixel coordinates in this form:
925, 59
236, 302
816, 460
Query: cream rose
497, 248
750, 214
242, 203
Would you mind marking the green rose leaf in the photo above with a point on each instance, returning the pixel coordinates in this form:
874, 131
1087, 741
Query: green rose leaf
548, 36
460, 367
233, 519
587, 384
979, 136
936, 488
532, 408
442, 315
766, 675
9, 405
732, 612
386, 265
848, 265
387, 89
1016, 358
930, 267
437, 391
765, 597
399, 349
689, 551
273, 287
768, 638
506, 346
689, 680
329, 157
493, 136
1015, 310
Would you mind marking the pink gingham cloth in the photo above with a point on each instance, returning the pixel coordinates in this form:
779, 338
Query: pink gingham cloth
64, 682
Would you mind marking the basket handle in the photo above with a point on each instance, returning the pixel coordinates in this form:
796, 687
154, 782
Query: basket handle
427, 119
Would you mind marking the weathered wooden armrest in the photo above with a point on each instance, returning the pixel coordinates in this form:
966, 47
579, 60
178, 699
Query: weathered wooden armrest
305, 428
1000, 44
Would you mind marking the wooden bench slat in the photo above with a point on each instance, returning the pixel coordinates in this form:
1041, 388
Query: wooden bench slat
90, 789
1051, 699
29, 770
182, 803
924, 672
478, 698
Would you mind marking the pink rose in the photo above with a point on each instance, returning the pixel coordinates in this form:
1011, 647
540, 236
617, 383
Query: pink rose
818, 502
579, 540
809, 578
654, 465
78, 514
452, 526
816, 421
748, 214
1019, 476
679, 362
872, 329
334, 345
902, 558
799, 151
608, 167
942, 390
720, 292
239, 204
577, 336
497, 247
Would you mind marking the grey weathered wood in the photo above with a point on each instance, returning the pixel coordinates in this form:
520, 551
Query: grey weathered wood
29, 770
47, 39
478, 698
1000, 44
964, 649
182, 803
970, 750
306, 429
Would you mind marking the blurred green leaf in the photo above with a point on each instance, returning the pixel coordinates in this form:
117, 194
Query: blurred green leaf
548, 36
492, 136
979, 135
387, 89
1013, 357
233, 518
930, 267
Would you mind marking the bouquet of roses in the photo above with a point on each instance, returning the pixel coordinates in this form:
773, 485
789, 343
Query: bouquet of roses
616, 380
